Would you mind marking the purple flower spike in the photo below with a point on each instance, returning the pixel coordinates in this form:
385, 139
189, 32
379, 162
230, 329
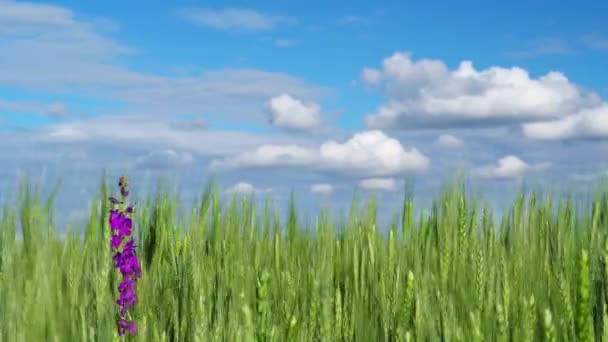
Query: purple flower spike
126, 260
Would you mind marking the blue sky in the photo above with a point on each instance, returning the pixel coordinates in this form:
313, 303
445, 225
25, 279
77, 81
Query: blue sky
320, 98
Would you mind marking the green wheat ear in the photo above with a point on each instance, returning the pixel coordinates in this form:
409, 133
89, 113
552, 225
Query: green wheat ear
584, 328
548, 326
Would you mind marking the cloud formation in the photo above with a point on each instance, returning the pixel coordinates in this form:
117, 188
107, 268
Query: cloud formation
449, 140
509, 167
289, 113
587, 123
378, 184
322, 189
427, 93
370, 153
242, 188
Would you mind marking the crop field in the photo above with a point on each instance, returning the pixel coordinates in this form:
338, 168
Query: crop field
236, 272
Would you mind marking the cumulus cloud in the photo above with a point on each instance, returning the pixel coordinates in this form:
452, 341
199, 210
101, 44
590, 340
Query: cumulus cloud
242, 188
289, 113
509, 167
449, 140
245, 188
322, 189
378, 184
164, 159
427, 93
587, 123
370, 153
241, 19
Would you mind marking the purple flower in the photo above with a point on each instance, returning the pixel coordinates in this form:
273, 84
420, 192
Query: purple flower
126, 300
124, 229
115, 241
125, 326
127, 262
114, 200
115, 218
130, 247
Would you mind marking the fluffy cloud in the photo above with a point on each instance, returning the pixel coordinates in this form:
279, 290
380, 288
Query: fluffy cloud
291, 114
322, 189
509, 167
379, 184
164, 159
427, 93
587, 123
449, 140
241, 19
244, 188
370, 153
241, 188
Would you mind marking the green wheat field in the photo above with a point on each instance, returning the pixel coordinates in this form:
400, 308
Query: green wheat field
236, 272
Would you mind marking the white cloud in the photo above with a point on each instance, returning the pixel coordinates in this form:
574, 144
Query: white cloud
381, 184
449, 140
370, 153
290, 113
509, 167
587, 123
268, 156
322, 189
233, 19
164, 159
66, 133
427, 93
241, 188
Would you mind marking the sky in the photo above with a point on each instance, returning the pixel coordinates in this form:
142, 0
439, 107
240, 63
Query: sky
325, 99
